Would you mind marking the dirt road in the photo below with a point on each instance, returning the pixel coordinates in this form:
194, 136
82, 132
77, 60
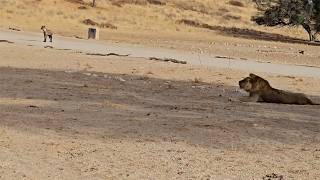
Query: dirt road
34, 39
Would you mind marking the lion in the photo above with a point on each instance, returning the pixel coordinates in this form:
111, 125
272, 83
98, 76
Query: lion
46, 33
261, 91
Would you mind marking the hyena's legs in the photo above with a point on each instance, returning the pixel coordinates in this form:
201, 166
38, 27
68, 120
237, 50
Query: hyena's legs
50, 37
45, 37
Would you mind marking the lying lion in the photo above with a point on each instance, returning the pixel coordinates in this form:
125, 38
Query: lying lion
260, 91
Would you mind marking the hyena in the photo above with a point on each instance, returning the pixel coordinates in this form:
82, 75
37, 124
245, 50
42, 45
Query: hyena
46, 33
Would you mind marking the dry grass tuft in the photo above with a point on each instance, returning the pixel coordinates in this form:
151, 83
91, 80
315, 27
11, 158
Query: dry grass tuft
192, 6
101, 25
197, 80
120, 3
236, 3
232, 17
76, 1
82, 7
157, 2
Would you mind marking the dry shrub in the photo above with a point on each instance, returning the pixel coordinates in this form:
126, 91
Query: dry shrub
82, 7
192, 6
223, 10
196, 24
9, 11
231, 17
107, 25
236, 3
120, 3
101, 25
90, 22
157, 2
197, 80
143, 78
20, 7
60, 13
189, 22
76, 1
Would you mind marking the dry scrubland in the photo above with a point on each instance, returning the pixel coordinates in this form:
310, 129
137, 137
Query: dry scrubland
226, 28
66, 115
134, 18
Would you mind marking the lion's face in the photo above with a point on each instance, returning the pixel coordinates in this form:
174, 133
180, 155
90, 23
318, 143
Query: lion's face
246, 84
254, 83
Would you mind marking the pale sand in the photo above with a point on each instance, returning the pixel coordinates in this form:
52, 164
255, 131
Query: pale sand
66, 115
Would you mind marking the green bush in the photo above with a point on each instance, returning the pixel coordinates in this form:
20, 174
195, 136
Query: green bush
290, 13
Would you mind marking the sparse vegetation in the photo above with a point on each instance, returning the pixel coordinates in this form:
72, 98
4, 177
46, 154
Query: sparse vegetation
127, 14
197, 80
192, 6
101, 25
131, 16
82, 7
236, 3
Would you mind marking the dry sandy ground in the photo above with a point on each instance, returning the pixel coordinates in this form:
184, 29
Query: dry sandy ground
66, 115
231, 45
233, 34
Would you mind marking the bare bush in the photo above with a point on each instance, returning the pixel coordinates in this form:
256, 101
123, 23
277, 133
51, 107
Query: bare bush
101, 25
76, 1
236, 3
231, 17
192, 6
120, 3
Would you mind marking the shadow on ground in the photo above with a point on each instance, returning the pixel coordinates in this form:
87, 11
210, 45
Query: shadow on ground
140, 108
248, 33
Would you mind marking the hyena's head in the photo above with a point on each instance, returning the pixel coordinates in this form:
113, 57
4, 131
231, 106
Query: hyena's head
43, 27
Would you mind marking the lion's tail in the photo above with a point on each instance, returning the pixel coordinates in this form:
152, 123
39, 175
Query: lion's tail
312, 103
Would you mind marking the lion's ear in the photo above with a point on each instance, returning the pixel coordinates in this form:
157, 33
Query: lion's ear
253, 75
